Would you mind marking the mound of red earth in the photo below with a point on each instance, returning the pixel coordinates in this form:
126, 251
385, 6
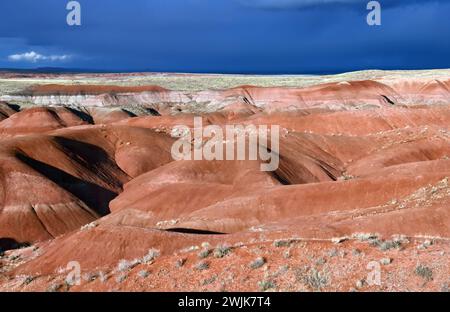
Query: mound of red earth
362, 182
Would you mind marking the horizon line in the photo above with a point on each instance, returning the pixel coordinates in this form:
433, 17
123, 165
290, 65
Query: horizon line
69, 70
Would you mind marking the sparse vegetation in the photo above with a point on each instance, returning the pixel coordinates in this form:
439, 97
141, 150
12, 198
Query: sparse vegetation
68, 284
103, 277
333, 252
151, 255
424, 272
281, 243
120, 278
14, 257
314, 279
281, 270
345, 177
385, 245
209, 281
143, 273
321, 261
221, 251
364, 236
202, 265
204, 253
180, 262
388, 245
427, 243
54, 287
257, 263
125, 265
206, 245
28, 280
266, 285
400, 238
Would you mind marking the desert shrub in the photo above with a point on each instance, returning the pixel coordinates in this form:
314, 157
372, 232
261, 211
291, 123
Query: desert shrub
345, 177
125, 265
333, 253
266, 285
103, 277
375, 242
364, 236
143, 273
209, 281
28, 280
427, 243
424, 272
202, 265
151, 255
281, 271
121, 278
180, 262
385, 245
314, 279
281, 243
257, 263
204, 253
317, 279
54, 287
221, 251
388, 245
321, 261
14, 257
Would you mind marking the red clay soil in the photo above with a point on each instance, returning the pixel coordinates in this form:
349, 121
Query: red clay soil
355, 191
40, 119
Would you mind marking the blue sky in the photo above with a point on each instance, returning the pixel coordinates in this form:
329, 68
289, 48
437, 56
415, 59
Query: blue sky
231, 36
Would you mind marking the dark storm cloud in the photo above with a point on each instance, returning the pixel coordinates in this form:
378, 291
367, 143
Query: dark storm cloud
302, 4
225, 35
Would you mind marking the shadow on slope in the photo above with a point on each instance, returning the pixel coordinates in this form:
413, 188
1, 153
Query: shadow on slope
93, 195
7, 243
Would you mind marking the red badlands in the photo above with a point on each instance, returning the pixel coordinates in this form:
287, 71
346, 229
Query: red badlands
86, 175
